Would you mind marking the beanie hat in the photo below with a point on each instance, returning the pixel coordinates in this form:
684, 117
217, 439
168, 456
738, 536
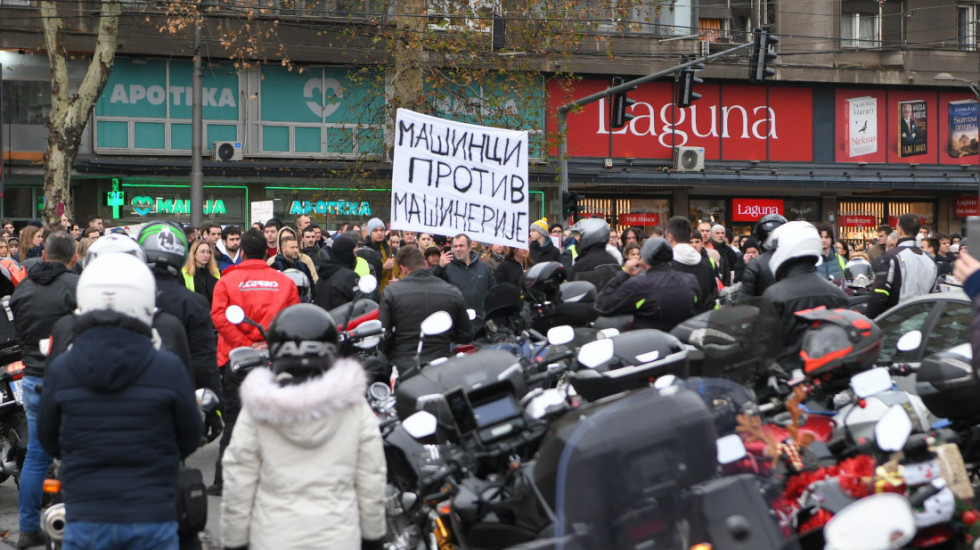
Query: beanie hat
375, 223
541, 226
343, 251
751, 243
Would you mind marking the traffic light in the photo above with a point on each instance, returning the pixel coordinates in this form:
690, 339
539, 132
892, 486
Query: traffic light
762, 55
620, 102
569, 204
685, 93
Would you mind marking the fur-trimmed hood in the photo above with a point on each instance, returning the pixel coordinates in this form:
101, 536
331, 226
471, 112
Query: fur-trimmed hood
304, 413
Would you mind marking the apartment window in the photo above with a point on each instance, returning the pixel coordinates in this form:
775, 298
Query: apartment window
712, 29
860, 30
966, 25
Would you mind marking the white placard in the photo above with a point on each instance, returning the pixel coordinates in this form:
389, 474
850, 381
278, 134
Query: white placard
261, 211
450, 177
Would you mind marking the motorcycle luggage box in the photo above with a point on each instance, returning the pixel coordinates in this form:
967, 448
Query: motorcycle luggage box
730, 513
579, 292
948, 385
606, 459
469, 372
635, 364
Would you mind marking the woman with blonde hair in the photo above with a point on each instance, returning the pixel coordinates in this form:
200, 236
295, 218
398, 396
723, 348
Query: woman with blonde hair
200, 271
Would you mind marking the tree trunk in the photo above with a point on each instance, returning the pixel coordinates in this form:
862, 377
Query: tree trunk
70, 113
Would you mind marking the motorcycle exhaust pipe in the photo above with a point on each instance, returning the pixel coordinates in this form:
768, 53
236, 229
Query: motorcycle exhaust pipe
53, 522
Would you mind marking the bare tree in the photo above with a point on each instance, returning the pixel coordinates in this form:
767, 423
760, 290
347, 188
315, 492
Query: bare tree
70, 111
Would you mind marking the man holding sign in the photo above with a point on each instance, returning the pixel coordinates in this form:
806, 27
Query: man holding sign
453, 178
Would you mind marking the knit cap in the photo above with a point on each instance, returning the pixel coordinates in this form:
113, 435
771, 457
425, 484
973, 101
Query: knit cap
541, 226
375, 223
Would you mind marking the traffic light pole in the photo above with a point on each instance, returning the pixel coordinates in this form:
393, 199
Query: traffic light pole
626, 86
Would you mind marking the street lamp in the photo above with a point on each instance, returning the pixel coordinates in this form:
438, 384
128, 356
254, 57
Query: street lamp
976, 92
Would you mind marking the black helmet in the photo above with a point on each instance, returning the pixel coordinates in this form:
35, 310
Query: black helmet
302, 283
302, 341
164, 244
656, 250
838, 341
594, 231
542, 283
764, 227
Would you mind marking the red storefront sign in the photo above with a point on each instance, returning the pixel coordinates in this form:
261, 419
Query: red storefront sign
854, 220
893, 220
639, 218
966, 206
750, 210
732, 122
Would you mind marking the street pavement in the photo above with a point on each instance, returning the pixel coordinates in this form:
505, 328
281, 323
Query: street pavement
203, 459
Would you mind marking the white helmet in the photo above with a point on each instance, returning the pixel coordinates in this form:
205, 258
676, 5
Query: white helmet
118, 282
794, 240
113, 243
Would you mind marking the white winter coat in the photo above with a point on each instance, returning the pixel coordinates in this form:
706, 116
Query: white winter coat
305, 466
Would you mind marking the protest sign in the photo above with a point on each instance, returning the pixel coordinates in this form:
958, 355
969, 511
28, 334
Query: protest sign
450, 177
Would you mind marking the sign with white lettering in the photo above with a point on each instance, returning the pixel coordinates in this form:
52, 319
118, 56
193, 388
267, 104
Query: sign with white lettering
750, 210
450, 177
336, 208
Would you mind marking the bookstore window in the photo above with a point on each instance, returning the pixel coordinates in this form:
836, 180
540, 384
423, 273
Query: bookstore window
859, 27
966, 25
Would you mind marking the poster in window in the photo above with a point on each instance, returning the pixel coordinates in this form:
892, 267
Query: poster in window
964, 130
913, 128
861, 126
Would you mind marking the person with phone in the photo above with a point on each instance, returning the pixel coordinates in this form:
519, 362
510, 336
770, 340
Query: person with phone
902, 272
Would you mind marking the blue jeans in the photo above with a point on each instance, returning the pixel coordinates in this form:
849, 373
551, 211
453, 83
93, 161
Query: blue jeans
84, 535
36, 463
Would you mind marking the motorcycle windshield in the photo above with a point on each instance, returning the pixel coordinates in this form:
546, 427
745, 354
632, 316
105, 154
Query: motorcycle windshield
738, 341
613, 471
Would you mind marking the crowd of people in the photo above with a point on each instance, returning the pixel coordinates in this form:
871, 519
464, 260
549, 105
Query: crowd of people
76, 294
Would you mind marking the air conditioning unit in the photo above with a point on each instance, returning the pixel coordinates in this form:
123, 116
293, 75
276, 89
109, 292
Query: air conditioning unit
688, 159
227, 151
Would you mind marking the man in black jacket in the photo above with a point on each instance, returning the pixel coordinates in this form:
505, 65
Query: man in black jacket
688, 260
593, 263
120, 414
406, 303
45, 296
337, 277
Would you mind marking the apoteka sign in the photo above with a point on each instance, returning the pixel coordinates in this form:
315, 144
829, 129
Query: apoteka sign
751, 210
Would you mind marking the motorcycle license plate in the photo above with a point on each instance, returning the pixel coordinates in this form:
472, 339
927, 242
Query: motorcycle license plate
17, 391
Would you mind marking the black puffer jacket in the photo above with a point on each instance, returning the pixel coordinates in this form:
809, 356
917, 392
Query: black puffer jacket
120, 415
336, 285
802, 288
660, 299
757, 276
46, 295
509, 271
406, 303
194, 313
595, 265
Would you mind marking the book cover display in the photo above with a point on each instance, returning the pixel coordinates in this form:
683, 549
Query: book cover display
913, 128
964, 130
861, 126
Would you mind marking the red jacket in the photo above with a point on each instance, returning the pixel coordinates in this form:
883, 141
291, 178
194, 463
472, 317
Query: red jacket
261, 291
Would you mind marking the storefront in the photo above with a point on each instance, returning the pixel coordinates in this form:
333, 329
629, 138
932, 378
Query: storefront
622, 213
130, 202
858, 221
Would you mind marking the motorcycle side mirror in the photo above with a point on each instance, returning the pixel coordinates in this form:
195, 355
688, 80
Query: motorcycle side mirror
379, 391
665, 381
471, 313
560, 335
870, 382
880, 521
730, 449
367, 284
207, 400
420, 425
893, 429
595, 353
235, 314
910, 341
437, 323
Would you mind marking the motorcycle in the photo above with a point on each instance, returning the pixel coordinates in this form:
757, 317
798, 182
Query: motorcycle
13, 420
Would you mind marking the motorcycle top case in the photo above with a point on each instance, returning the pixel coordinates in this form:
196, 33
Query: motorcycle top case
948, 385
470, 372
611, 458
639, 356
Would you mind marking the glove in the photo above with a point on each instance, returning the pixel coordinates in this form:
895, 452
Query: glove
377, 544
213, 425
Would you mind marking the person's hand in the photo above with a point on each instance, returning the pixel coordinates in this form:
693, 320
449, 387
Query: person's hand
213, 426
445, 259
632, 267
389, 264
965, 266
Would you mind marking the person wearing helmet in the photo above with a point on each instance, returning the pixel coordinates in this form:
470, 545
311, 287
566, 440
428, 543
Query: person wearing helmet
757, 276
306, 421
660, 298
47, 294
594, 263
262, 292
302, 283
338, 280
903, 272
858, 274
798, 285
120, 414
688, 260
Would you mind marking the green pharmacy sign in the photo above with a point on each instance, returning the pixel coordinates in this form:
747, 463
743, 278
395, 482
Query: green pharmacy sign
144, 206
339, 208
